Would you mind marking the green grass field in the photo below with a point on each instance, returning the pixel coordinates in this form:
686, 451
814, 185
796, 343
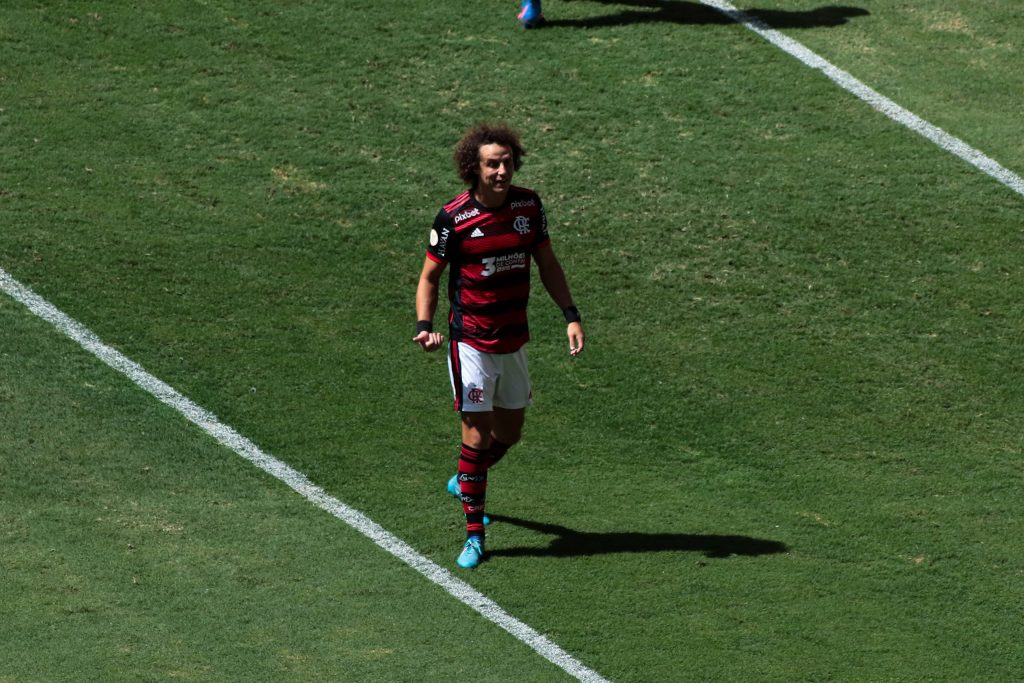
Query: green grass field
790, 451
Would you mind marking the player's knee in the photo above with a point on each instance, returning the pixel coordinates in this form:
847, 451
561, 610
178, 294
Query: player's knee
476, 430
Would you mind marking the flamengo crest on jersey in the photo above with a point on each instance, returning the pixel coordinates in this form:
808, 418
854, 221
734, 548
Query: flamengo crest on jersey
489, 253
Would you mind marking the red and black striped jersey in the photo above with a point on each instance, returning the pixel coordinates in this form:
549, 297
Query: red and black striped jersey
489, 253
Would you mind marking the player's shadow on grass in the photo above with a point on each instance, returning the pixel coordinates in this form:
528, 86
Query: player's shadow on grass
569, 543
682, 12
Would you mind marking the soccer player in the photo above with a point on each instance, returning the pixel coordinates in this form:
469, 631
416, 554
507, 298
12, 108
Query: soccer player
489, 235
530, 14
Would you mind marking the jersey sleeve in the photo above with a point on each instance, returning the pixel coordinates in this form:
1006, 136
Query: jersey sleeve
442, 237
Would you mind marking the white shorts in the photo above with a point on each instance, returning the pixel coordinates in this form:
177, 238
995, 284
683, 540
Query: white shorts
484, 381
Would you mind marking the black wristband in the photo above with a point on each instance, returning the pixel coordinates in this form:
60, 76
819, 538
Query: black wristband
424, 326
572, 314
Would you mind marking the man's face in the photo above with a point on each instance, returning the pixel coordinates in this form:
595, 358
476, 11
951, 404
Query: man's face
496, 167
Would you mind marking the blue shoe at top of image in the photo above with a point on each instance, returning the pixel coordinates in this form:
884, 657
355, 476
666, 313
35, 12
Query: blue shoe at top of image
530, 14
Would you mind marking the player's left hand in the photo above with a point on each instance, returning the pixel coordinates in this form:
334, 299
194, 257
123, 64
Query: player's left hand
575, 333
430, 341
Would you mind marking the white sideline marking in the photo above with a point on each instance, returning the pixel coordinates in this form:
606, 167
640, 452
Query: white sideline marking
227, 436
880, 102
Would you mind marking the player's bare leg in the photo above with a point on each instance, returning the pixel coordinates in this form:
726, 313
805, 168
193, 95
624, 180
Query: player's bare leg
507, 425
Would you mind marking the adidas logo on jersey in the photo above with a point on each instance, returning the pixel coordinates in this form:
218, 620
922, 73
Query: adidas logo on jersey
477, 232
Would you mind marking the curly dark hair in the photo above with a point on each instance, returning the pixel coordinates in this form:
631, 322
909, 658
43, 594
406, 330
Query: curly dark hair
467, 150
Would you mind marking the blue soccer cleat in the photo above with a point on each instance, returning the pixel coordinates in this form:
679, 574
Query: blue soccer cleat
530, 14
472, 553
453, 488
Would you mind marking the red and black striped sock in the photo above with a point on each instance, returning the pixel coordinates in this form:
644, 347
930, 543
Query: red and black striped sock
473, 486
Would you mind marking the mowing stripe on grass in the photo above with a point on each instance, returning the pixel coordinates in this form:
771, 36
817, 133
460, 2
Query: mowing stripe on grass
227, 436
875, 99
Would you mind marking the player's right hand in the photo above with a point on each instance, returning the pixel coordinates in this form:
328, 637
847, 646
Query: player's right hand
429, 341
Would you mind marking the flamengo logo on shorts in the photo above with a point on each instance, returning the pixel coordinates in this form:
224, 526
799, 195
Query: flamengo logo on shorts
475, 395
500, 264
459, 217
